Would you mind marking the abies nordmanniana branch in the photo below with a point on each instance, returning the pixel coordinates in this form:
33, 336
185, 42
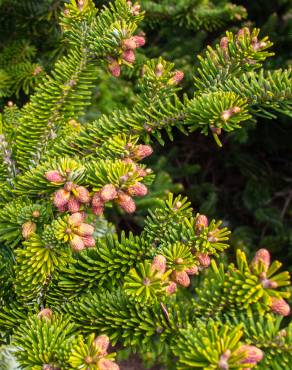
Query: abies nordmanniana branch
68, 286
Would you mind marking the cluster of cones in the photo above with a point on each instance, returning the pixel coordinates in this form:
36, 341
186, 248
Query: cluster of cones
98, 348
80, 234
277, 305
128, 56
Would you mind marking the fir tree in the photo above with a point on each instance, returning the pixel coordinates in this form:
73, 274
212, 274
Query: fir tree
71, 284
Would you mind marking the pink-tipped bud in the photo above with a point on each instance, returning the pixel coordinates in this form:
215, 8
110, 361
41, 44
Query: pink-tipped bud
252, 354
176, 78
126, 202
159, 263
77, 218
105, 364
98, 210
28, 228
54, 176
264, 256
88, 241
82, 194
280, 306
235, 110
97, 201
69, 186
204, 259
73, 205
138, 190
45, 313
108, 192
159, 70
171, 288
114, 68
101, 344
77, 243
139, 41
242, 33
223, 362
143, 151
192, 270
181, 278
224, 43
85, 230
61, 197
226, 114
129, 56
129, 44
141, 172
201, 222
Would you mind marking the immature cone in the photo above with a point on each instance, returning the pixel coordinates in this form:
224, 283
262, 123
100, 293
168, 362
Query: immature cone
159, 263
97, 201
181, 278
223, 361
171, 288
82, 194
204, 259
159, 69
101, 344
77, 243
108, 192
98, 211
176, 78
85, 230
105, 364
28, 228
77, 218
114, 68
252, 354
279, 306
138, 190
226, 114
61, 198
143, 151
54, 176
201, 222
73, 205
192, 270
126, 203
224, 43
264, 256
88, 241
45, 313
242, 32
139, 41
129, 44
129, 56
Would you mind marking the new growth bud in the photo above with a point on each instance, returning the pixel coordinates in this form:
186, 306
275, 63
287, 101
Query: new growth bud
101, 344
46, 314
54, 176
181, 278
159, 263
262, 255
138, 190
28, 228
279, 306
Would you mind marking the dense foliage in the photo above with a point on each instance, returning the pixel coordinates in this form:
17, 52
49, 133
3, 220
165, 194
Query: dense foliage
96, 248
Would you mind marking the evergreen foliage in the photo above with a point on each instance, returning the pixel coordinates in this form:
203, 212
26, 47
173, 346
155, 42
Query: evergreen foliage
70, 281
